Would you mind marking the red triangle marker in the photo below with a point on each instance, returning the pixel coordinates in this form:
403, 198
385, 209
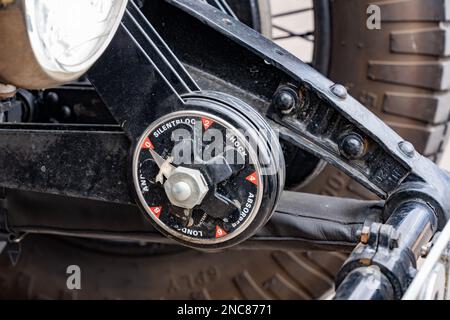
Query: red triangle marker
252, 178
220, 232
207, 123
147, 144
156, 211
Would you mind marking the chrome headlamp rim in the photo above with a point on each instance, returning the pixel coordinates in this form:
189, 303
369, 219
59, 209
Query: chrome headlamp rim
19, 64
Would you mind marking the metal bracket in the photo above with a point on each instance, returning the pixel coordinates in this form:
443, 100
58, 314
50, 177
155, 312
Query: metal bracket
393, 248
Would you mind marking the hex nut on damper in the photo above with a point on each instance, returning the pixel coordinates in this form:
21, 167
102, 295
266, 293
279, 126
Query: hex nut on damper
186, 188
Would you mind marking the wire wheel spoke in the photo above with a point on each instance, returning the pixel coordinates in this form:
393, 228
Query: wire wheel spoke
293, 27
308, 35
291, 12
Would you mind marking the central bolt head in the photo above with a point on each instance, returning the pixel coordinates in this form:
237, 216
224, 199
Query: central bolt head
186, 187
181, 191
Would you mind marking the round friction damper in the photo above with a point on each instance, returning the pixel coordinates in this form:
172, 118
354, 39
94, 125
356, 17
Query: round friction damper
209, 175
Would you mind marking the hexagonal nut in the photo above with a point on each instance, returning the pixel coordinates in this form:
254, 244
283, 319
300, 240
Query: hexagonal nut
192, 178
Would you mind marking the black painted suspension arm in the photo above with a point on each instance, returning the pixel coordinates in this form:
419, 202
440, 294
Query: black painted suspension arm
140, 79
315, 114
218, 53
320, 117
323, 114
